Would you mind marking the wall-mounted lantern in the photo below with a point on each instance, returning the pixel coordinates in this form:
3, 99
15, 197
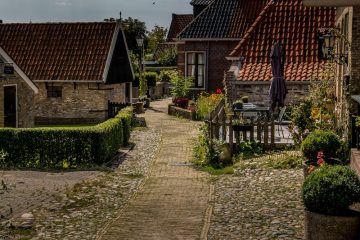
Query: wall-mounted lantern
328, 49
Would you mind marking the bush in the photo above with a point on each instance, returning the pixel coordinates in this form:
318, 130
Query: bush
168, 57
248, 149
150, 78
180, 85
331, 190
205, 104
65, 147
165, 75
327, 141
205, 154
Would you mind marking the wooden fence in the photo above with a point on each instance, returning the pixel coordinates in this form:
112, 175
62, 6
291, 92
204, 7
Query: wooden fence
220, 127
114, 108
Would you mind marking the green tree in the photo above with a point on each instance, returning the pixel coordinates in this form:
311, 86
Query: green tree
132, 28
156, 36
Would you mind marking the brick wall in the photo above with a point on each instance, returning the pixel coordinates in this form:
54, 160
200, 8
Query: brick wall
80, 102
343, 108
25, 100
215, 52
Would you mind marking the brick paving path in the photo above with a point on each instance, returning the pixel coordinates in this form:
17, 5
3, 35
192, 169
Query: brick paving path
173, 202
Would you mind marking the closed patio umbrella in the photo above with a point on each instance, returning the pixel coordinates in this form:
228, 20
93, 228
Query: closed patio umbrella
278, 88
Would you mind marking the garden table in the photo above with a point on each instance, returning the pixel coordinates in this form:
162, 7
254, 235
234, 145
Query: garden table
252, 111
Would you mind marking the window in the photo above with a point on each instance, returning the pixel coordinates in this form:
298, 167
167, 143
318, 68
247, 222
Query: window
54, 91
195, 67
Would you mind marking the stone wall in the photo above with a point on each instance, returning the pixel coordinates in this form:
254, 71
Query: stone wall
25, 102
258, 92
80, 102
215, 52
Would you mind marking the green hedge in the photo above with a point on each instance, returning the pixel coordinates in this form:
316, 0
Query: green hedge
65, 147
151, 78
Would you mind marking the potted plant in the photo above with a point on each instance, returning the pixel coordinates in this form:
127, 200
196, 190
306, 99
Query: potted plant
145, 100
238, 104
328, 194
320, 147
241, 125
181, 102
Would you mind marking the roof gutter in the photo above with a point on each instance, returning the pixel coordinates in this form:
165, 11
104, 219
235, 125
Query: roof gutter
208, 39
70, 81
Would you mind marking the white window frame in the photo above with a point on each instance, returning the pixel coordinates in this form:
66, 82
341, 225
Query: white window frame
205, 68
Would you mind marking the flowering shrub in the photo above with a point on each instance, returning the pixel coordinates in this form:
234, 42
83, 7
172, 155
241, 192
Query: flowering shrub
316, 111
207, 103
181, 102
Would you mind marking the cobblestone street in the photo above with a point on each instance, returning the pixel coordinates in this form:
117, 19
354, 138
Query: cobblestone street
258, 203
155, 193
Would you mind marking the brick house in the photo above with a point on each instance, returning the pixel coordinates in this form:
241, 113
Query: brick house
17, 94
217, 28
293, 25
77, 67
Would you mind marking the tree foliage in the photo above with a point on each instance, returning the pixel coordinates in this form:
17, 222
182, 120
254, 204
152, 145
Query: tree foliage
156, 35
133, 28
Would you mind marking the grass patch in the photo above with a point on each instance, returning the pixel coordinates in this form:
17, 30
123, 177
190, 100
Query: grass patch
274, 160
285, 160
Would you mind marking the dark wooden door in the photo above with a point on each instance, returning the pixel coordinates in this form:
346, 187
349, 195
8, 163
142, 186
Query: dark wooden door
10, 106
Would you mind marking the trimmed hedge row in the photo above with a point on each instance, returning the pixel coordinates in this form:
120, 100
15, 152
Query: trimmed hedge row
65, 147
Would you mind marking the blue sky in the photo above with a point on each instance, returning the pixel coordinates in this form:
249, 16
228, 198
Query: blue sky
92, 10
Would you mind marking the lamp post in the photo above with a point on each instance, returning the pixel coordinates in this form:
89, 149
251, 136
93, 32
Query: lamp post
140, 43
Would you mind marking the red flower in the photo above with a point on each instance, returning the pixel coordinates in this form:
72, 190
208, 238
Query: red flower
218, 91
320, 161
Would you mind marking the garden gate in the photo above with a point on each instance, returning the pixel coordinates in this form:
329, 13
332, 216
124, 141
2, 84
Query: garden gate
114, 108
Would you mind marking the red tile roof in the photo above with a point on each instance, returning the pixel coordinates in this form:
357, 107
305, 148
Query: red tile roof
178, 23
224, 19
59, 51
296, 26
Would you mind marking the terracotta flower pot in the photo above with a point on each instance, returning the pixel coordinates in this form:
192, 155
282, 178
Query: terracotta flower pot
327, 227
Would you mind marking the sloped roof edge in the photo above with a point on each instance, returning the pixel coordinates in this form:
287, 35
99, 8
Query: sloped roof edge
7, 58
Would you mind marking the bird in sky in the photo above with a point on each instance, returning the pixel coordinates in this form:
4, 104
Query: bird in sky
154, 3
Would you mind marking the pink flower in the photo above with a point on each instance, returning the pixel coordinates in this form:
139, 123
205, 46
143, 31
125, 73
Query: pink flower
218, 91
320, 154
